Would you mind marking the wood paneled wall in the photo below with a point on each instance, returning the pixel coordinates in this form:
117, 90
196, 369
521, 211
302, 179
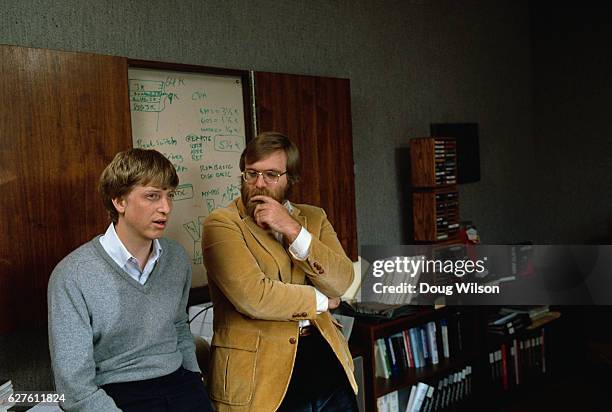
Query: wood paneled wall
315, 112
64, 116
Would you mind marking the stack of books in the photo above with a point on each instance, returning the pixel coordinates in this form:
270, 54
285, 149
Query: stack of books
539, 315
534, 312
509, 324
6, 390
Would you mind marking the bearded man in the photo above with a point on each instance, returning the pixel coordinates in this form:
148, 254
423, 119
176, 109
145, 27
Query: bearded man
275, 269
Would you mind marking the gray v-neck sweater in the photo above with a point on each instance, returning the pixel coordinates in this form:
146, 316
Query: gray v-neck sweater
105, 327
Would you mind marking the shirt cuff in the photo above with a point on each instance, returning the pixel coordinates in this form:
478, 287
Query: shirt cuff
322, 302
300, 247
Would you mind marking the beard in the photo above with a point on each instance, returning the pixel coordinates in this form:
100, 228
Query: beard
248, 192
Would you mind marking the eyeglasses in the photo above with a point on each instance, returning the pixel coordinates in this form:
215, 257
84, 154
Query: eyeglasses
269, 176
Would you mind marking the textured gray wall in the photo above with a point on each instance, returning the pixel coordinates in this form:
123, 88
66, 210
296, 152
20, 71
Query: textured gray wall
572, 94
411, 63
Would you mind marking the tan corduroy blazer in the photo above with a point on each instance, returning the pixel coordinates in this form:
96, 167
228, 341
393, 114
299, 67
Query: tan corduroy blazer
259, 293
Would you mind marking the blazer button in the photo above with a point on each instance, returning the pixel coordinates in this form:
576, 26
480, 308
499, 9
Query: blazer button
292, 340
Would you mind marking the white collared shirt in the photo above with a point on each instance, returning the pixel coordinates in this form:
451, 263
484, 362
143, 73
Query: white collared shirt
119, 253
299, 249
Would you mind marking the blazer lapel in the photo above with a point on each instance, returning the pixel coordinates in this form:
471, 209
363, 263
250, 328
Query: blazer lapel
297, 215
298, 276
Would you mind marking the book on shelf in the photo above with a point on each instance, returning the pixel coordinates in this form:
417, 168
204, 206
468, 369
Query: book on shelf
443, 340
6, 390
432, 342
458, 334
5, 383
415, 342
413, 389
400, 350
438, 395
504, 368
417, 397
509, 324
543, 349
534, 312
448, 385
445, 395
391, 356
382, 368
454, 333
515, 361
454, 382
386, 359
388, 403
424, 346
501, 320
428, 402
509, 328
445, 343
498, 364
408, 348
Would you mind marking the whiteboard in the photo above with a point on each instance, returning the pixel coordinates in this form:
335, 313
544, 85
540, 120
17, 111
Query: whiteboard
197, 121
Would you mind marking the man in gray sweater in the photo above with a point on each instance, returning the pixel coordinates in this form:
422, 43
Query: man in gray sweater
118, 332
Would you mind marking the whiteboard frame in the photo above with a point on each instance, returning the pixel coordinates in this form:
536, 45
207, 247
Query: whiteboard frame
247, 98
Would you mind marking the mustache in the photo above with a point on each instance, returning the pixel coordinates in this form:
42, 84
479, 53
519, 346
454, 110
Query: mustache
252, 204
259, 191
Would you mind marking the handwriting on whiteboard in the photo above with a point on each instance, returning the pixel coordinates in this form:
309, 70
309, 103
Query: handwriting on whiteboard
197, 121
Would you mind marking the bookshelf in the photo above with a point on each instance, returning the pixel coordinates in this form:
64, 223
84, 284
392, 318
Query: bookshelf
469, 375
462, 328
435, 197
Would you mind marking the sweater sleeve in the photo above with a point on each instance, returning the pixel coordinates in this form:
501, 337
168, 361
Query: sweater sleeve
71, 345
184, 337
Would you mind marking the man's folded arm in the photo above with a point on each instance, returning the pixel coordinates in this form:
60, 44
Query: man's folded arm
327, 266
71, 346
232, 267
